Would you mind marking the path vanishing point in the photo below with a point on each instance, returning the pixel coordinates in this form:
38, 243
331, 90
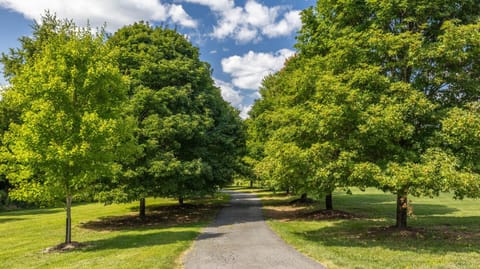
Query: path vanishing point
239, 238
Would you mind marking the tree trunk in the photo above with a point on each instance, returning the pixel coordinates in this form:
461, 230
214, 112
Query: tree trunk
251, 184
402, 208
180, 200
288, 191
304, 197
329, 201
142, 208
68, 228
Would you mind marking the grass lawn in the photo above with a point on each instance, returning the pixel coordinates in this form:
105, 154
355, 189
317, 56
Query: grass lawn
444, 233
114, 236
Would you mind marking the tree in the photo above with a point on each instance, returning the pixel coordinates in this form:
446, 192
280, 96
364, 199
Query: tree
380, 81
460, 133
7, 115
305, 130
66, 84
191, 139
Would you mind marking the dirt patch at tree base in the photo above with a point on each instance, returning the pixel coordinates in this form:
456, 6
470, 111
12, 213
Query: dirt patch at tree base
64, 247
325, 214
442, 232
156, 216
393, 231
292, 213
302, 202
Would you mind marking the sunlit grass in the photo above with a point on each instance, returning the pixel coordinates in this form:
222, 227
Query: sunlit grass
24, 234
444, 233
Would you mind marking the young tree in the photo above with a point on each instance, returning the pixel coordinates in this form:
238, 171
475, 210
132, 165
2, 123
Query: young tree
69, 91
191, 139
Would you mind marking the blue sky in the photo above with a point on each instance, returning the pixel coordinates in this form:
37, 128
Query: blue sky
242, 40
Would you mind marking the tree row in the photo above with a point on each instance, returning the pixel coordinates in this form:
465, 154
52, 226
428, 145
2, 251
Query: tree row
381, 94
114, 118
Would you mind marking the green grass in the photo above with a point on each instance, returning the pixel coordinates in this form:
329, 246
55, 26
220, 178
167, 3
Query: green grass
444, 233
24, 234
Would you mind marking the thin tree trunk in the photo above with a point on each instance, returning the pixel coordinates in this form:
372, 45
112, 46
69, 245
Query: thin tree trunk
329, 201
180, 200
288, 191
68, 228
402, 208
142, 208
304, 197
251, 184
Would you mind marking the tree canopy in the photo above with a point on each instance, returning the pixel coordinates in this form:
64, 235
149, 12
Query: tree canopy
68, 90
381, 93
191, 140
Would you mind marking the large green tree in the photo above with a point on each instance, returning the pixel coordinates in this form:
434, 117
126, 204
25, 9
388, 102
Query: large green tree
7, 115
67, 87
303, 130
190, 138
386, 85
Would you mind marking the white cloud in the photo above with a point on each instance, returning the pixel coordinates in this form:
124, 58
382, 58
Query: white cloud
244, 111
229, 94
215, 5
234, 97
249, 70
114, 13
228, 23
245, 35
251, 22
259, 15
290, 22
178, 15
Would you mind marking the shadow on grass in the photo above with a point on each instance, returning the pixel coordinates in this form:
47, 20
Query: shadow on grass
236, 188
4, 220
437, 237
157, 216
383, 206
27, 212
374, 206
245, 189
140, 240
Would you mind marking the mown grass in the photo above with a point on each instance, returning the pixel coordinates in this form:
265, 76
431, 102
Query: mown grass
443, 233
111, 233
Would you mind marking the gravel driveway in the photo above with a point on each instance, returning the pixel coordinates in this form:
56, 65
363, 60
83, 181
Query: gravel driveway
240, 238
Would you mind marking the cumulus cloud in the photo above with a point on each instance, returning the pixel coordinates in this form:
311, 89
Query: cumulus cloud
178, 15
215, 5
229, 94
245, 35
234, 97
290, 22
244, 111
249, 70
252, 21
114, 13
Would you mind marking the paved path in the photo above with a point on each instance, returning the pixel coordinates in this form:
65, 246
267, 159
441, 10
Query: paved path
240, 238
